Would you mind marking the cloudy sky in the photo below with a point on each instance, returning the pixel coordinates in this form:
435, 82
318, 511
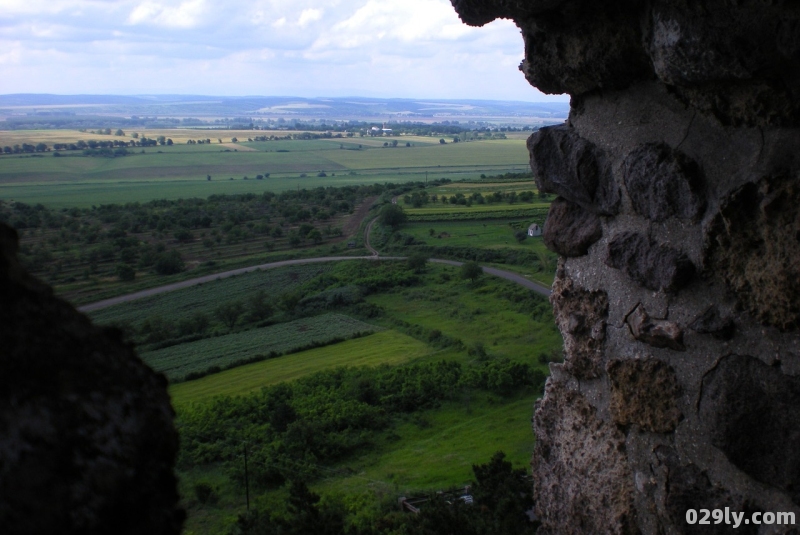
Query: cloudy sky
309, 48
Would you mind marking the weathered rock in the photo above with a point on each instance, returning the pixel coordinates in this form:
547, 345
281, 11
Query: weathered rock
688, 487
754, 246
657, 333
87, 443
644, 392
654, 266
663, 183
570, 230
574, 168
581, 316
713, 323
753, 415
583, 482
691, 111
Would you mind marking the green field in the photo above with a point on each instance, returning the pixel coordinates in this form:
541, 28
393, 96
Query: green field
386, 347
440, 453
485, 234
180, 170
178, 361
204, 298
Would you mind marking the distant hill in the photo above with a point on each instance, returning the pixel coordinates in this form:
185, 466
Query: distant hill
21, 108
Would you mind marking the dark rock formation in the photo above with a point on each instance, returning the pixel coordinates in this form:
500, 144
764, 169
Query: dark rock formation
713, 323
570, 229
663, 183
654, 266
577, 170
87, 443
678, 173
753, 414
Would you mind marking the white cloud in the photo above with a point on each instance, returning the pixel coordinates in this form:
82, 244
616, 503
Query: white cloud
309, 15
402, 48
187, 14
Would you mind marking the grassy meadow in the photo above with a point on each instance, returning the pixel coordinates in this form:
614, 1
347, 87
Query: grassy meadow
181, 170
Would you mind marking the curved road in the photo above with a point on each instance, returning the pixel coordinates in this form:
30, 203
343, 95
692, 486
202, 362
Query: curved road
508, 275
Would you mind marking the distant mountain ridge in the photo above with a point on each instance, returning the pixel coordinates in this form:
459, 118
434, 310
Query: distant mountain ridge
274, 106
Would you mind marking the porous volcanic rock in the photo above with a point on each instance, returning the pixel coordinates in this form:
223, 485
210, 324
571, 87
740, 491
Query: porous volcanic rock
87, 442
583, 482
644, 392
654, 266
570, 229
664, 183
581, 316
753, 414
574, 168
678, 176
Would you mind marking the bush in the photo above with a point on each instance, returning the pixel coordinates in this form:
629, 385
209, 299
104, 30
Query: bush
125, 272
169, 263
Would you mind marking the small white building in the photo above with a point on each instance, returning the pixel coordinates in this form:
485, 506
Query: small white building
534, 230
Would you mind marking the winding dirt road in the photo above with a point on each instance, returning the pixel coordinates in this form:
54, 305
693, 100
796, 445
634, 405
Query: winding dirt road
508, 275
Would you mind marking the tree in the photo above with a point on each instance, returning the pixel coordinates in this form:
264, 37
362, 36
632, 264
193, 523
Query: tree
417, 262
471, 271
161, 140
392, 215
229, 313
119, 132
259, 306
125, 272
314, 236
169, 263
442, 141
234, 140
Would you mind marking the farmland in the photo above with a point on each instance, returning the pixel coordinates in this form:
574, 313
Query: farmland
181, 170
387, 347
180, 361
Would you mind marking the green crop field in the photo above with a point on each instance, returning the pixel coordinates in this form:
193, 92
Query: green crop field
438, 449
181, 170
386, 347
204, 298
178, 361
486, 234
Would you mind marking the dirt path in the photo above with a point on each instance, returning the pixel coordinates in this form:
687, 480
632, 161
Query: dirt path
503, 274
358, 216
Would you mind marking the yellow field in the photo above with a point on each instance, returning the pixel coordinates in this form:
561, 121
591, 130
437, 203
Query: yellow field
387, 347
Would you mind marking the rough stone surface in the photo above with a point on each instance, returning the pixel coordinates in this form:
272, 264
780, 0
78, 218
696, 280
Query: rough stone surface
581, 316
574, 168
714, 323
683, 148
583, 483
87, 443
754, 246
654, 266
570, 229
644, 392
657, 333
753, 414
664, 183
688, 487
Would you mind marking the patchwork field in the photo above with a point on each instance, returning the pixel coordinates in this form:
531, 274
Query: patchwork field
382, 348
178, 361
181, 170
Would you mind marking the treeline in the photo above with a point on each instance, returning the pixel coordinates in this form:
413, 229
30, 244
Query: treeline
501, 497
157, 235
420, 198
298, 429
90, 147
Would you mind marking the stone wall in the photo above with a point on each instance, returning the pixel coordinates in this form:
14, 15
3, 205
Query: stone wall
678, 288
87, 442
